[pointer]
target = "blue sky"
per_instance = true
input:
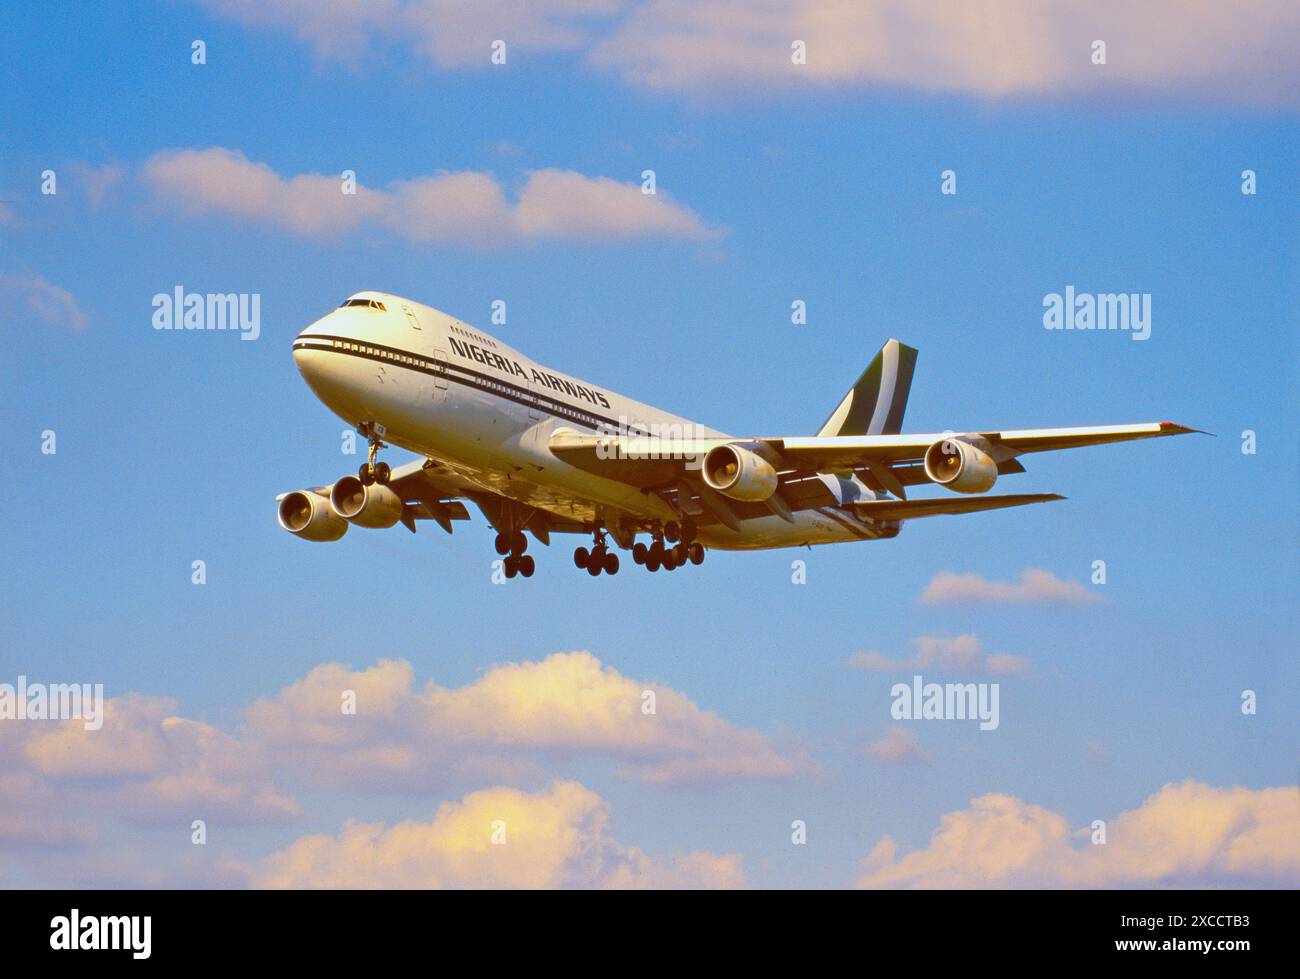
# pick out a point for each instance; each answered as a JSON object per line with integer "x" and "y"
{"x": 171, "y": 448}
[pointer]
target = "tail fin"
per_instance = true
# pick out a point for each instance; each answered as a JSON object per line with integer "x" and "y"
{"x": 875, "y": 404}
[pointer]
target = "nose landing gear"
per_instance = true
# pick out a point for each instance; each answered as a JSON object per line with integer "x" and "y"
{"x": 371, "y": 471}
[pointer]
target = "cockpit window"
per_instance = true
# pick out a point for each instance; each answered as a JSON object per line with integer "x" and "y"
{"x": 370, "y": 303}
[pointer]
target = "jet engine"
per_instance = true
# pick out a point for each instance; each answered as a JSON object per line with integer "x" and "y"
{"x": 307, "y": 514}
{"x": 738, "y": 472}
{"x": 365, "y": 506}
{"x": 962, "y": 464}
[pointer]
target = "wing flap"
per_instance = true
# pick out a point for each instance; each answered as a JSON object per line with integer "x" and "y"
{"x": 913, "y": 509}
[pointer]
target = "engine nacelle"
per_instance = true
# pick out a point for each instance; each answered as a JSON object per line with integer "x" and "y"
{"x": 961, "y": 464}
{"x": 309, "y": 515}
{"x": 739, "y": 473}
{"x": 365, "y": 506}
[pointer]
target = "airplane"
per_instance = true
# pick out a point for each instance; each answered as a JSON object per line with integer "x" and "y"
{"x": 540, "y": 452}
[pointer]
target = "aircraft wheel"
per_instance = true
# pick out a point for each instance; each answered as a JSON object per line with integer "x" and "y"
{"x": 680, "y": 553}
{"x": 657, "y": 551}
{"x": 511, "y": 567}
{"x": 518, "y": 542}
{"x": 670, "y": 560}
{"x": 697, "y": 553}
{"x": 652, "y": 563}
{"x": 611, "y": 563}
{"x": 383, "y": 472}
{"x": 365, "y": 474}
{"x": 639, "y": 552}
{"x": 689, "y": 531}
{"x": 672, "y": 531}
{"x": 594, "y": 566}
{"x": 527, "y": 565}
{"x": 580, "y": 557}
{"x": 502, "y": 544}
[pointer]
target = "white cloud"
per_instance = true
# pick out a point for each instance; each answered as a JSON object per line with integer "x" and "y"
{"x": 99, "y": 181}
{"x": 52, "y": 304}
{"x": 990, "y": 48}
{"x": 494, "y": 838}
{"x": 1185, "y": 835}
{"x": 566, "y": 704}
{"x": 145, "y": 764}
{"x": 898, "y": 747}
{"x": 450, "y": 33}
{"x": 948, "y": 654}
{"x": 705, "y": 48}
{"x": 1036, "y": 587}
{"x": 468, "y": 207}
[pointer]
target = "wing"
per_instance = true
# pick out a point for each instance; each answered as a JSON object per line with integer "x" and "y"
{"x": 840, "y": 453}
{"x": 429, "y": 494}
{"x": 649, "y": 463}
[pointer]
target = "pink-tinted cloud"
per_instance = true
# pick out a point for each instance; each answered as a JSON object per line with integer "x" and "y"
{"x": 1036, "y": 587}
{"x": 1185, "y": 835}
{"x": 944, "y": 654}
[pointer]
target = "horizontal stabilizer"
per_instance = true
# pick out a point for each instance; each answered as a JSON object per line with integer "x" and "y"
{"x": 912, "y": 509}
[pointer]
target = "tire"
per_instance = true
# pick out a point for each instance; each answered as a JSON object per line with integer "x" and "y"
{"x": 593, "y": 568}
{"x": 657, "y": 551}
{"x": 670, "y": 561}
{"x": 502, "y": 544}
{"x": 518, "y": 542}
{"x": 580, "y": 557}
{"x": 365, "y": 475}
{"x": 652, "y": 563}
{"x": 527, "y": 565}
{"x": 511, "y": 567}
{"x": 697, "y": 553}
{"x": 383, "y": 472}
{"x": 672, "y": 531}
{"x": 639, "y": 552}
{"x": 680, "y": 553}
{"x": 611, "y": 563}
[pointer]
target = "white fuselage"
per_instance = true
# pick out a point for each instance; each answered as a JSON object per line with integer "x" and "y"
{"x": 483, "y": 410}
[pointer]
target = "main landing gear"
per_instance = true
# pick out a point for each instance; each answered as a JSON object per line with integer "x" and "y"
{"x": 599, "y": 558}
{"x": 681, "y": 548}
{"x": 371, "y": 471}
{"x": 516, "y": 562}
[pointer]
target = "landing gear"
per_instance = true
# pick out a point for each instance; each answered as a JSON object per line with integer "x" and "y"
{"x": 371, "y": 471}
{"x": 682, "y": 547}
{"x": 599, "y": 558}
{"x": 514, "y": 544}
{"x": 519, "y": 564}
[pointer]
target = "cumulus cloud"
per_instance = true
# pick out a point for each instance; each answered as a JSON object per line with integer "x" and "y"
{"x": 946, "y": 654}
{"x": 1185, "y": 835}
{"x": 145, "y": 764}
{"x": 898, "y": 747}
{"x": 494, "y": 838}
{"x": 99, "y": 181}
{"x": 50, "y": 303}
{"x": 450, "y": 33}
{"x": 1036, "y": 587}
{"x": 988, "y": 48}
{"x": 566, "y": 704}
{"x": 466, "y": 207}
